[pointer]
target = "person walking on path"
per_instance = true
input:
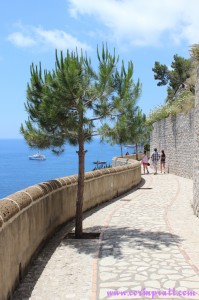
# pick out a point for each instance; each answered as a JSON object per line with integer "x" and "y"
{"x": 162, "y": 161}
{"x": 145, "y": 162}
{"x": 155, "y": 158}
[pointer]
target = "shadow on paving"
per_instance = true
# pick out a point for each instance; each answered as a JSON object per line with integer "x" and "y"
{"x": 115, "y": 238}
{"x": 88, "y": 247}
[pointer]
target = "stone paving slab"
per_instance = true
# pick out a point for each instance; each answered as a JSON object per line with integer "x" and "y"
{"x": 149, "y": 242}
{"x": 157, "y": 262}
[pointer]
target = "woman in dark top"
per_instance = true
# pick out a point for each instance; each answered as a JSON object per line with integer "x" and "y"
{"x": 162, "y": 161}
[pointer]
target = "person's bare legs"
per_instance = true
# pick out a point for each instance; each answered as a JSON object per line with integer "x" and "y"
{"x": 162, "y": 167}
{"x": 145, "y": 169}
{"x": 163, "y": 164}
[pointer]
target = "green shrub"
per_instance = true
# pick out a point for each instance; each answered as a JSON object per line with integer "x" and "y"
{"x": 183, "y": 103}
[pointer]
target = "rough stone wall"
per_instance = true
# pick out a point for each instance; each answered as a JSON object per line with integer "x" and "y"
{"x": 175, "y": 135}
{"x": 196, "y": 151}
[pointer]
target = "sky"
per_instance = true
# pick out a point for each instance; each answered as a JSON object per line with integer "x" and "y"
{"x": 143, "y": 31}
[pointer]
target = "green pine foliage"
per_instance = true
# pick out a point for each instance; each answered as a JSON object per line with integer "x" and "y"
{"x": 175, "y": 76}
{"x": 181, "y": 79}
{"x": 65, "y": 104}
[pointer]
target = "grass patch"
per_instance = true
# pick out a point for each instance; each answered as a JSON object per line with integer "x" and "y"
{"x": 183, "y": 103}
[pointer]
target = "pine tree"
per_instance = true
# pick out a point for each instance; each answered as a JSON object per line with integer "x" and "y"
{"x": 63, "y": 105}
{"x": 128, "y": 93}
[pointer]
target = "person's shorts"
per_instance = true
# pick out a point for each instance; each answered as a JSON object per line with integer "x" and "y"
{"x": 145, "y": 164}
{"x": 155, "y": 162}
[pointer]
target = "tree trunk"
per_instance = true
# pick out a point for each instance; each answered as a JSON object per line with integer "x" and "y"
{"x": 121, "y": 150}
{"x": 80, "y": 192}
{"x": 136, "y": 150}
{"x": 80, "y": 187}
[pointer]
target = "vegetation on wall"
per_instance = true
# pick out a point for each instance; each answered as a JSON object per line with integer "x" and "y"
{"x": 180, "y": 79}
{"x": 194, "y": 50}
{"x": 184, "y": 103}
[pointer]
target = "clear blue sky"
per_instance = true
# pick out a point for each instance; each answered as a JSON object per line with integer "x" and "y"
{"x": 143, "y": 31}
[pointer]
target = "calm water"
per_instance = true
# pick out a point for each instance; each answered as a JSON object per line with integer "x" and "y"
{"x": 18, "y": 172}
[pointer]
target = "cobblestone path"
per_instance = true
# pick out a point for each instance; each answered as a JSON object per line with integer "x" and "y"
{"x": 149, "y": 242}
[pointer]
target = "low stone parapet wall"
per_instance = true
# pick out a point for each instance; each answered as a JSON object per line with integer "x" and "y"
{"x": 125, "y": 160}
{"x": 30, "y": 216}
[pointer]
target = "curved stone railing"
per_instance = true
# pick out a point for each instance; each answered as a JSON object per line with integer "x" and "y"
{"x": 30, "y": 216}
{"x": 125, "y": 160}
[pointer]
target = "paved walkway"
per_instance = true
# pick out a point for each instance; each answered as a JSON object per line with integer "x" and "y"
{"x": 149, "y": 242}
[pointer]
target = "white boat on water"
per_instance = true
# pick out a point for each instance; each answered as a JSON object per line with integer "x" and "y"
{"x": 99, "y": 163}
{"x": 37, "y": 157}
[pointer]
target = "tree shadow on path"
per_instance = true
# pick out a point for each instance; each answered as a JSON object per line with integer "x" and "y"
{"x": 114, "y": 239}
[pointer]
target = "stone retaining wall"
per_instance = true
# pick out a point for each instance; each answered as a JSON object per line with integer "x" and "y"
{"x": 175, "y": 135}
{"x": 29, "y": 217}
{"x": 196, "y": 151}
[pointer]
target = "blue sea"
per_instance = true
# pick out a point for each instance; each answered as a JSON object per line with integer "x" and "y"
{"x": 18, "y": 172}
